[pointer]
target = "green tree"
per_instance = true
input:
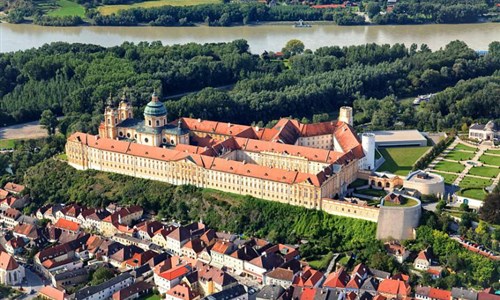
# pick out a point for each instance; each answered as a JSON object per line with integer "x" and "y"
{"x": 294, "y": 47}
{"x": 101, "y": 275}
{"x": 482, "y": 228}
{"x": 372, "y": 9}
{"x": 49, "y": 121}
{"x": 490, "y": 211}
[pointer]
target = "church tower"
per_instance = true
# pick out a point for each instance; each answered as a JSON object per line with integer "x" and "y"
{"x": 125, "y": 109}
{"x": 110, "y": 120}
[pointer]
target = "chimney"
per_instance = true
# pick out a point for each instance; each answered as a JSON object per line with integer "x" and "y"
{"x": 199, "y": 120}
{"x": 229, "y": 124}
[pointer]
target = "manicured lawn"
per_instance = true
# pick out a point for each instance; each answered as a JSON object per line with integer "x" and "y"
{"x": 474, "y": 182}
{"x": 358, "y": 182}
{"x": 409, "y": 203}
{"x": 400, "y": 160}
{"x": 61, "y": 8}
{"x": 6, "y": 144}
{"x": 109, "y": 9}
{"x": 372, "y": 192}
{"x": 459, "y": 155}
{"x": 484, "y": 171}
{"x": 448, "y": 178}
{"x": 448, "y": 166}
{"x": 490, "y": 160}
{"x": 344, "y": 261}
{"x": 473, "y": 187}
{"x": 322, "y": 263}
{"x": 474, "y": 193}
{"x": 465, "y": 147}
{"x": 493, "y": 151}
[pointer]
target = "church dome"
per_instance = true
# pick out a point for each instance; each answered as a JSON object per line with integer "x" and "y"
{"x": 155, "y": 108}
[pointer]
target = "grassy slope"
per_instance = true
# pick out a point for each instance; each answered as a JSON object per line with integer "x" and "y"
{"x": 55, "y": 181}
{"x": 109, "y": 9}
{"x": 400, "y": 160}
{"x": 61, "y": 8}
{"x": 8, "y": 144}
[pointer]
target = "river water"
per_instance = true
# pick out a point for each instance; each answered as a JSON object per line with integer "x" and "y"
{"x": 261, "y": 37}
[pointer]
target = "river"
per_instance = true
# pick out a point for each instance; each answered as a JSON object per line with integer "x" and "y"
{"x": 260, "y": 37}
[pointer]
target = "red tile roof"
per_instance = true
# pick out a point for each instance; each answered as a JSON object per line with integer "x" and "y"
{"x": 3, "y": 194}
{"x": 13, "y": 187}
{"x": 51, "y": 293}
{"x": 67, "y": 225}
{"x": 182, "y": 291}
{"x": 338, "y": 279}
{"x": 394, "y": 287}
{"x": 308, "y": 278}
{"x": 439, "y": 294}
{"x": 175, "y": 272}
{"x": 7, "y": 262}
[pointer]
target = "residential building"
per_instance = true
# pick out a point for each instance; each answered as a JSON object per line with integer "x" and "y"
{"x": 392, "y": 288}
{"x": 423, "y": 261}
{"x": 106, "y": 289}
{"x": 337, "y": 280}
{"x": 463, "y": 294}
{"x": 71, "y": 278}
{"x": 176, "y": 239}
{"x": 219, "y": 251}
{"x": 430, "y": 293}
{"x": 14, "y": 188}
{"x": 397, "y": 251}
{"x": 270, "y": 292}
{"x": 51, "y": 293}
{"x": 133, "y": 291}
{"x": 181, "y": 292}
{"x": 237, "y": 292}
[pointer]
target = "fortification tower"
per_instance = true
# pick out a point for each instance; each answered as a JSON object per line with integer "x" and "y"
{"x": 345, "y": 115}
{"x": 368, "y": 144}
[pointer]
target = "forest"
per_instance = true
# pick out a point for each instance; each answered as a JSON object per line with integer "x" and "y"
{"x": 75, "y": 80}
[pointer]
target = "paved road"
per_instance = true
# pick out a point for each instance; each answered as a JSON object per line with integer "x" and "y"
{"x": 23, "y": 131}
{"x": 33, "y": 282}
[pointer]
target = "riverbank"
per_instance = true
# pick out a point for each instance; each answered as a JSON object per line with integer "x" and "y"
{"x": 262, "y": 37}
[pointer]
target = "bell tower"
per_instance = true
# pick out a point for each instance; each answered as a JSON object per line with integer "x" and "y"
{"x": 125, "y": 109}
{"x": 110, "y": 119}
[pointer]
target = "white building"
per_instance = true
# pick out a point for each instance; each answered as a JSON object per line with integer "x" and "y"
{"x": 106, "y": 289}
{"x": 11, "y": 273}
{"x": 488, "y": 132}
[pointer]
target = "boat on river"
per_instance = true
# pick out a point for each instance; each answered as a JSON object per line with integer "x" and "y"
{"x": 302, "y": 24}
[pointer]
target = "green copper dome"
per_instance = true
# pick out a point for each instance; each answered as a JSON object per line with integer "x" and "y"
{"x": 155, "y": 108}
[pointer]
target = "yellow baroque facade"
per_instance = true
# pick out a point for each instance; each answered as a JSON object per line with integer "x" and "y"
{"x": 293, "y": 163}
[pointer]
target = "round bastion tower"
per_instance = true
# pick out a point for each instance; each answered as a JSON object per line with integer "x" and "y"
{"x": 345, "y": 115}
{"x": 368, "y": 144}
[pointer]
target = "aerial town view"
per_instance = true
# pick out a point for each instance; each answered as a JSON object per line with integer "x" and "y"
{"x": 250, "y": 149}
